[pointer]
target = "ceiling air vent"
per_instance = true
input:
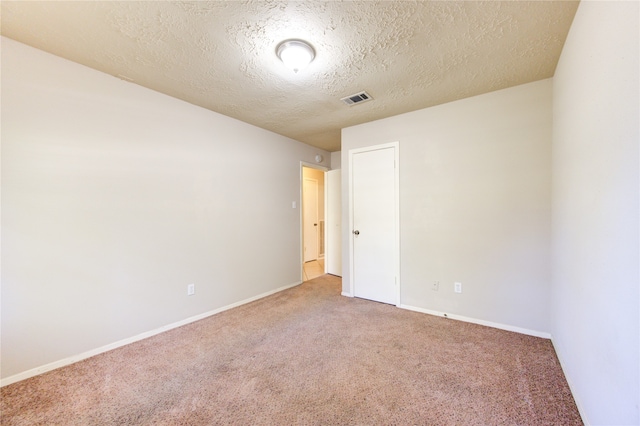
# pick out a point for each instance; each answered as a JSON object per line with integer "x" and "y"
{"x": 358, "y": 98}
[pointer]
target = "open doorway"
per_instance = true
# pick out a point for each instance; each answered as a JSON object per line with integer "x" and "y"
{"x": 313, "y": 222}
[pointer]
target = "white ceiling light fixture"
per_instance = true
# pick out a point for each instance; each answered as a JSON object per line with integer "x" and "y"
{"x": 295, "y": 54}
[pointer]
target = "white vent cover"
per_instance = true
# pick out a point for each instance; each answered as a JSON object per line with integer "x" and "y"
{"x": 358, "y": 98}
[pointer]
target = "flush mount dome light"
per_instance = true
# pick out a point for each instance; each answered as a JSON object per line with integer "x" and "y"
{"x": 295, "y": 54}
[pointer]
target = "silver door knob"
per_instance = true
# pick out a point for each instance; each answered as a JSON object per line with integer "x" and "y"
{"x": 356, "y": 232}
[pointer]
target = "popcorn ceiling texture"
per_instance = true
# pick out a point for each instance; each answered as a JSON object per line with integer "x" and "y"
{"x": 307, "y": 356}
{"x": 221, "y": 55}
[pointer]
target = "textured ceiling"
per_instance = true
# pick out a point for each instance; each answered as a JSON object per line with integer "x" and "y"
{"x": 221, "y": 54}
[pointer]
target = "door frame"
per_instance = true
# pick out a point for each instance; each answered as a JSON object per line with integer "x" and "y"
{"x": 301, "y": 218}
{"x": 396, "y": 249}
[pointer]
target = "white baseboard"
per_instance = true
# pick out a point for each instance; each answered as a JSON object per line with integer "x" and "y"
{"x": 581, "y": 411}
{"x": 520, "y": 330}
{"x": 79, "y": 357}
{"x": 344, "y": 293}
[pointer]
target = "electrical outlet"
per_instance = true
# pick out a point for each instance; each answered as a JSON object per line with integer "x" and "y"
{"x": 191, "y": 289}
{"x": 457, "y": 287}
{"x": 435, "y": 286}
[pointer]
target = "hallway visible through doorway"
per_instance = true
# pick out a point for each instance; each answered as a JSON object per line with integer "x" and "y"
{"x": 313, "y": 222}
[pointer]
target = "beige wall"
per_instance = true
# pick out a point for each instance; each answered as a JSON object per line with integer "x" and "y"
{"x": 474, "y": 204}
{"x": 115, "y": 198}
{"x": 595, "y": 287}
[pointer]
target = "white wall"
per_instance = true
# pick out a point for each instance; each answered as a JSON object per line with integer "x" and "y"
{"x": 474, "y": 204}
{"x": 336, "y": 160}
{"x": 115, "y": 197}
{"x": 595, "y": 295}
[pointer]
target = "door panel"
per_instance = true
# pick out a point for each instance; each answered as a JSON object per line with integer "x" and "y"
{"x": 374, "y": 225}
{"x": 333, "y": 253}
{"x": 310, "y": 219}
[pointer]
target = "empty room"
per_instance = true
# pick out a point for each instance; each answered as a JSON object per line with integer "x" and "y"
{"x": 320, "y": 212}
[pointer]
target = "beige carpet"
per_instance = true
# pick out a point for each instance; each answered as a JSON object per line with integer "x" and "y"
{"x": 307, "y": 356}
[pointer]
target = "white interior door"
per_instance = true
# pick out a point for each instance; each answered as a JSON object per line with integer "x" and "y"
{"x": 333, "y": 228}
{"x": 375, "y": 223}
{"x": 310, "y": 219}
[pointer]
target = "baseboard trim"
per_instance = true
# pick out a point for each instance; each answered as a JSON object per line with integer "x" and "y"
{"x": 88, "y": 354}
{"x": 344, "y": 293}
{"x": 478, "y": 321}
{"x": 581, "y": 411}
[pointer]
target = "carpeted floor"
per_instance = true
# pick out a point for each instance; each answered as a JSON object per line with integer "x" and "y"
{"x": 307, "y": 356}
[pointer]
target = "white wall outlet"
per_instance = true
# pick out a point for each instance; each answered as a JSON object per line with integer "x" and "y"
{"x": 457, "y": 287}
{"x": 435, "y": 286}
{"x": 294, "y": 205}
{"x": 191, "y": 289}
